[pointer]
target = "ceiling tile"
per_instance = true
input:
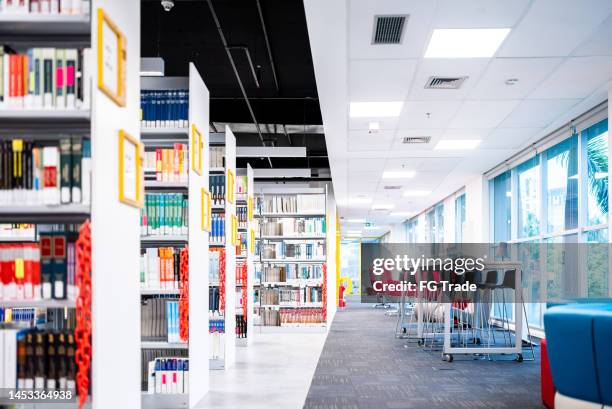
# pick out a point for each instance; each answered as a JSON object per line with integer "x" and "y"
{"x": 427, "y": 114}
{"x": 600, "y": 42}
{"x": 508, "y": 138}
{"x": 380, "y": 80}
{"x": 529, "y": 72}
{"x": 555, "y": 28}
{"x": 478, "y": 13}
{"x": 466, "y": 133}
{"x": 442, "y": 67}
{"x": 482, "y": 114}
{"x": 416, "y": 30}
{"x": 365, "y": 141}
{"x": 577, "y": 77}
{"x": 366, "y": 165}
{"x": 538, "y": 112}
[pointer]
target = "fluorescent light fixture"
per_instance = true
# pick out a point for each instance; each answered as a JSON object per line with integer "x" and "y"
{"x": 375, "y": 109}
{"x": 356, "y": 221}
{"x": 382, "y": 206}
{"x": 398, "y": 174}
{"x": 508, "y": 194}
{"x": 458, "y": 144}
{"x": 374, "y": 127}
{"x": 416, "y": 193}
{"x": 371, "y": 227}
{"x": 353, "y": 232}
{"x": 465, "y": 42}
{"x": 402, "y": 214}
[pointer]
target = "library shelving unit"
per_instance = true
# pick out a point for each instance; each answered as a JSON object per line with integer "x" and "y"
{"x": 225, "y": 239}
{"x": 107, "y": 309}
{"x": 172, "y": 176}
{"x": 245, "y": 204}
{"x": 292, "y": 257}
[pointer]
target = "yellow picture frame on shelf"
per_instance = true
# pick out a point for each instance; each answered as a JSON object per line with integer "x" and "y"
{"x": 206, "y": 210}
{"x": 250, "y": 202}
{"x": 131, "y": 176}
{"x": 231, "y": 186}
{"x": 252, "y": 241}
{"x": 112, "y": 56}
{"x": 196, "y": 150}
{"x": 235, "y": 240}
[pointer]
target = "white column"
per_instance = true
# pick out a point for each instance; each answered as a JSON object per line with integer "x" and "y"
{"x": 477, "y": 210}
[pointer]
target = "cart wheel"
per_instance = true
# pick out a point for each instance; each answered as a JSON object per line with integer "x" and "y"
{"x": 420, "y": 342}
{"x": 404, "y": 330}
{"x": 519, "y": 357}
{"x": 478, "y": 342}
{"x": 448, "y": 358}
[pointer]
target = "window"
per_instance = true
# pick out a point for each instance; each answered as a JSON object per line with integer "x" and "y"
{"x": 434, "y": 219}
{"x": 559, "y": 196}
{"x": 596, "y": 138}
{"x": 411, "y": 231}
{"x": 459, "y": 218}
{"x": 529, "y": 197}
{"x": 562, "y": 186}
{"x": 501, "y": 198}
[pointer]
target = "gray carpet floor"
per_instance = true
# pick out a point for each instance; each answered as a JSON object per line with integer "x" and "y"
{"x": 363, "y": 366}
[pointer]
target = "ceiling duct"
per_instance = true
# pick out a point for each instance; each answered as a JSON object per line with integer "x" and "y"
{"x": 444, "y": 82}
{"x": 416, "y": 139}
{"x": 388, "y": 29}
{"x": 392, "y": 187}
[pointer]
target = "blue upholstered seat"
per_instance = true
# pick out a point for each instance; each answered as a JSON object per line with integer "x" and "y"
{"x": 579, "y": 340}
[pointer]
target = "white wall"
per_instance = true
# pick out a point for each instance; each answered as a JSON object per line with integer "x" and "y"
{"x": 397, "y": 233}
{"x": 477, "y": 210}
{"x": 115, "y": 367}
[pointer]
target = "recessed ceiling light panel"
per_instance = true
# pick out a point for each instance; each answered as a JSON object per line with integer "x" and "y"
{"x": 465, "y": 42}
{"x": 384, "y": 109}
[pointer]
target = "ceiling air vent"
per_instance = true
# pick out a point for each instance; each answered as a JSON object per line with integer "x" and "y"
{"x": 393, "y": 187}
{"x": 416, "y": 139}
{"x": 388, "y": 29}
{"x": 445, "y": 82}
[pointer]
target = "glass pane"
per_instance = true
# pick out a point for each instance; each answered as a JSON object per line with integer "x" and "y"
{"x": 529, "y": 198}
{"x": 596, "y": 138}
{"x": 597, "y": 263}
{"x": 439, "y": 223}
{"x": 501, "y": 200}
{"x": 459, "y": 218}
{"x": 562, "y": 185}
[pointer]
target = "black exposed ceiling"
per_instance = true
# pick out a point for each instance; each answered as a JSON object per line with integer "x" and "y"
{"x": 188, "y": 34}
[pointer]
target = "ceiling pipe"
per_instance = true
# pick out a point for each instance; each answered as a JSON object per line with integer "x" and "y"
{"x": 248, "y": 55}
{"x": 233, "y": 64}
{"x": 265, "y": 33}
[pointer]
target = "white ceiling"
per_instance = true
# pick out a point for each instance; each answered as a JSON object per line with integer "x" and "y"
{"x": 559, "y": 50}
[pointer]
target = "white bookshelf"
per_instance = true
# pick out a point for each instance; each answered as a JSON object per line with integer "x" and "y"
{"x": 114, "y": 225}
{"x": 264, "y": 217}
{"x": 196, "y": 239}
{"x": 228, "y": 337}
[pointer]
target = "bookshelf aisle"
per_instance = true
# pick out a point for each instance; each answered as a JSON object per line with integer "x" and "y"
{"x": 291, "y": 259}
{"x": 60, "y": 208}
{"x": 245, "y": 267}
{"x": 222, "y": 250}
{"x": 174, "y": 259}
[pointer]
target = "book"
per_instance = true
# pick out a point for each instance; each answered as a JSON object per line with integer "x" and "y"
{"x": 65, "y": 148}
